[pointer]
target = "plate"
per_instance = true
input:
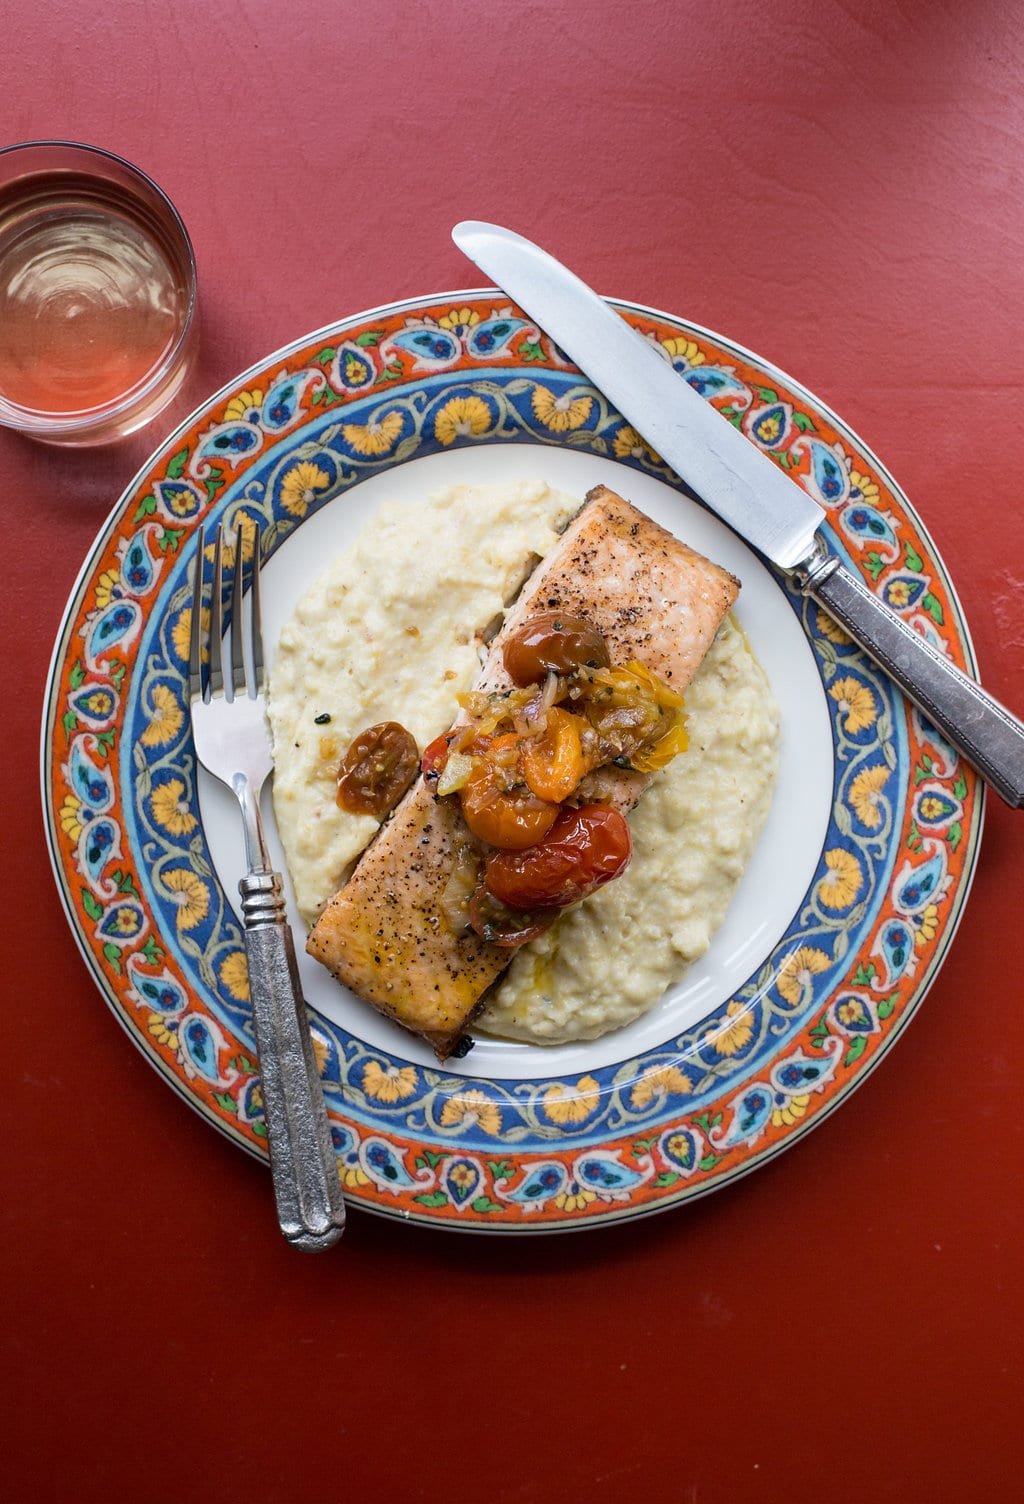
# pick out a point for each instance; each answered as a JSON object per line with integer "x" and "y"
{"x": 840, "y": 922}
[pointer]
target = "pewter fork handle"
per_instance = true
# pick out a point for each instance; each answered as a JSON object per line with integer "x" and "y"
{"x": 310, "y": 1205}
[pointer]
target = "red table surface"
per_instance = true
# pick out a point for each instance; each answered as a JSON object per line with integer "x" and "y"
{"x": 838, "y": 187}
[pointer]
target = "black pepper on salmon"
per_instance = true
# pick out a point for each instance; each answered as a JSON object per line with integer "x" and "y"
{"x": 383, "y": 935}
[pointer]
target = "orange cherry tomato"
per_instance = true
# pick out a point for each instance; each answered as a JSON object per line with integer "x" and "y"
{"x": 502, "y": 750}
{"x": 584, "y": 849}
{"x": 553, "y": 763}
{"x": 493, "y": 809}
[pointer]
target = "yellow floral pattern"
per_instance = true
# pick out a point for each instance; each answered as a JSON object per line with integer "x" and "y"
{"x": 628, "y": 444}
{"x": 657, "y": 1083}
{"x": 181, "y": 502}
{"x": 356, "y": 370}
{"x": 897, "y": 593}
{"x": 684, "y": 349}
{"x": 866, "y": 486}
{"x": 162, "y": 1030}
{"x": 790, "y": 1111}
{"x": 107, "y": 588}
{"x": 462, "y": 417}
{"x": 925, "y": 925}
{"x": 389, "y": 1083}
{"x": 190, "y": 894}
{"x": 469, "y": 1108}
{"x": 852, "y": 1012}
{"x": 856, "y": 704}
{"x": 866, "y": 793}
{"x": 242, "y": 406}
{"x": 769, "y": 427}
{"x": 574, "y": 1200}
{"x": 300, "y": 486}
{"x": 376, "y": 437}
{"x": 166, "y": 718}
{"x": 459, "y": 318}
{"x": 234, "y": 973}
{"x": 830, "y": 628}
{"x": 244, "y": 525}
{"x": 842, "y": 881}
{"x": 127, "y": 922}
{"x": 734, "y": 1035}
{"x": 98, "y": 704}
{"x": 70, "y": 816}
{"x": 169, "y": 808}
{"x": 567, "y": 1104}
{"x": 561, "y": 414}
{"x": 321, "y": 1053}
{"x": 182, "y": 629}
{"x": 463, "y": 1176}
{"x": 797, "y": 972}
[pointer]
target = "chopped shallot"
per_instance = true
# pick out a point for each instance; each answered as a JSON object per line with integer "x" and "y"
{"x": 455, "y": 774}
{"x": 459, "y": 888}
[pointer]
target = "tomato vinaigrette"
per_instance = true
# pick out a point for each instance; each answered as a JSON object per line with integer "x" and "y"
{"x": 525, "y": 765}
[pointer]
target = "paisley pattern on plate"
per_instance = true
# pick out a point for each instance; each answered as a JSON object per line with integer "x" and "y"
{"x": 163, "y": 942}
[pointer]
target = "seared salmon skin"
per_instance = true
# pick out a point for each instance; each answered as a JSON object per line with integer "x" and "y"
{"x": 383, "y": 935}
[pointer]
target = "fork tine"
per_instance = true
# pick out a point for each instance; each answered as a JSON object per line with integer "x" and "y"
{"x": 216, "y": 674}
{"x": 257, "y": 622}
{"x": 236, "y": 629}
{"x": 195, "y": 634}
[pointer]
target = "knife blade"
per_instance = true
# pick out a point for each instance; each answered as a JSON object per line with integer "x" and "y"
{"x": 747, "y": 490}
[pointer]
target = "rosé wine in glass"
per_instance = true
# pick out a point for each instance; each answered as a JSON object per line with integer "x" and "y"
{"x": 97, "y": 294}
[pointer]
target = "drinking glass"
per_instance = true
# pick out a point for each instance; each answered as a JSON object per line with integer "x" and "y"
{"x": 97, "y": 294}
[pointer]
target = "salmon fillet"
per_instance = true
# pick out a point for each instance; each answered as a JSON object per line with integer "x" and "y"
{"x": 382, "y": 934}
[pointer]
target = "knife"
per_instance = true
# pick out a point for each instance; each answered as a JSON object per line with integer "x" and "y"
{"x": 747, "y": 490}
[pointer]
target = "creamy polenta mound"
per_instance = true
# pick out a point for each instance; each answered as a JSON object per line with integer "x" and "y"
{"x": 392, "y": 630}
{"x": 607, "y": 961}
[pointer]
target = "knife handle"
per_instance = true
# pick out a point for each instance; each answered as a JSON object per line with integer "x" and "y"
{"x": 987, "y": 734}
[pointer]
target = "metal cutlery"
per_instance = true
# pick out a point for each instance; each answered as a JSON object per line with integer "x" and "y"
{"x": 748, "y": 490}
{"x": 232, "y": 742}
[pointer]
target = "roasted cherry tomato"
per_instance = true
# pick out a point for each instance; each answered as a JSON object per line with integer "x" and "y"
{"x": 496, "y": 808}
{"x": 376, "y": 770}
{"x": 435, "y": 755}
{"x": 553, "y": 763}
{"x": 499, "y": 925}
{"x": 584, "y": 849}
{"x": 552, "y": 643}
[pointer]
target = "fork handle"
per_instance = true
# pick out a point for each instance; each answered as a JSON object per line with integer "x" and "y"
{"x": 310, "y": 1205}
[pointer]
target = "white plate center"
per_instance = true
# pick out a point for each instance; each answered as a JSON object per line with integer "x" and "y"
{"x": 784, "y": 861}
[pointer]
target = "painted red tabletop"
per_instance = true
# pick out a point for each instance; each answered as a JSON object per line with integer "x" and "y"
{"x": 836, "y": 187}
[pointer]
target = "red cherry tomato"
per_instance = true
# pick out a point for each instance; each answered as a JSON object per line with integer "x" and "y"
{"x": 499, "y": 925}
{"x": 435, "y": 755}
{"x": 553, "y": 642}
{"x": 584, "y": 849}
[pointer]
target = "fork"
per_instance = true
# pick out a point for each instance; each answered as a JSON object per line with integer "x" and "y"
{"x": 232, "y": 742}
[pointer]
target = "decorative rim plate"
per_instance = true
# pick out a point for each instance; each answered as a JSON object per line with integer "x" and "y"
{"x": 440, "y": 1145}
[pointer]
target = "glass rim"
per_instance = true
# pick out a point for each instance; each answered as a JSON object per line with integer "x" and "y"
{"x": 40, "y": 420}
